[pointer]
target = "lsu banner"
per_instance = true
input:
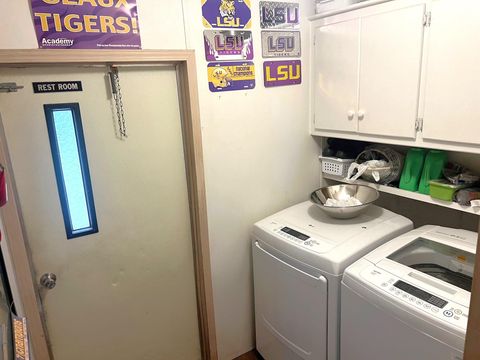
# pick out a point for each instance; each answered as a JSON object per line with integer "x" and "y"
{"x": 230, "y": 76}
{"x": 232, "y": 14}
{"x": 86, "y": 24}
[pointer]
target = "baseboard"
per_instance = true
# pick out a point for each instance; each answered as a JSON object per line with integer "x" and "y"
{"x": 251, "y": 355}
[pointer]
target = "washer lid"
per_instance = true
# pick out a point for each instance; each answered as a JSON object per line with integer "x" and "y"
{"x": 306, "y": 233}
{"x": 452, "y": 249}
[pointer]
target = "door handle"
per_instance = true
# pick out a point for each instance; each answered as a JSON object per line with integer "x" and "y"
{"x": 315, "y": 277}
{"x": 350, "y": 114}
{"x": 361, "y": 114}
{"x": 48, "y": 280}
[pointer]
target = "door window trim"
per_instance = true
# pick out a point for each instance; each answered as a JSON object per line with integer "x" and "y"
{"x": 74, "y": 108}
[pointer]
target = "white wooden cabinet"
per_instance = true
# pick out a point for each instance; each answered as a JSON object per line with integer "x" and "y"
{"x": 402, "y": 72}
{"x": 390, "y": 66}
{"x": 336, "y": 75}
{"x": 452, "y": 77}
{"x": 367, "y": 66}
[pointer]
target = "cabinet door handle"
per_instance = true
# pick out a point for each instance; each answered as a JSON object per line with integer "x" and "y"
{"x": 361, "y": 115}
{"x": 350, "y": 114}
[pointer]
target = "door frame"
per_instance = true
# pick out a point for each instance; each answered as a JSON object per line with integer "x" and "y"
{"x": 185, "y": 65}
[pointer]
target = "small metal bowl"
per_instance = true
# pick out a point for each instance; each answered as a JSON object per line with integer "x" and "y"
{"x": 365, "y": 194}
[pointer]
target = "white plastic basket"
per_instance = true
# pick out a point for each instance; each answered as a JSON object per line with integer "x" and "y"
{"x": 335, "y": 166}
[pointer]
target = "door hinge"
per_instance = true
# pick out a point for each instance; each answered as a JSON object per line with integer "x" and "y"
{"x": 419, "y": 124}
{"x": 10, "y": 87}
{"x": 427, "y": 19}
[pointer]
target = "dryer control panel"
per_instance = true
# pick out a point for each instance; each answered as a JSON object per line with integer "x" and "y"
{"x": 299, "y": 238}
{"x": 412, "y": 295}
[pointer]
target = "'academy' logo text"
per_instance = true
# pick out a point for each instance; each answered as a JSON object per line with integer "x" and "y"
{"x": 57, "y": 42}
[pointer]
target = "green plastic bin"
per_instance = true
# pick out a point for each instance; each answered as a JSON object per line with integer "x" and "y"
{"x": 412, "y": 170}
{"x": 443, "y": 189}
{"x": 432, "y": 170}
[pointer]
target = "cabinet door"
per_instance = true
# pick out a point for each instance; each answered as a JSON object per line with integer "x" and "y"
{"x": 453, "y": 77}
{"x": 336, "y": 76}
{"x": 390, "y": 65}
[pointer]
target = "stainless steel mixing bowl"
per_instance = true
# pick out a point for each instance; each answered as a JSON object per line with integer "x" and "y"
{"x": 365, "y": 194}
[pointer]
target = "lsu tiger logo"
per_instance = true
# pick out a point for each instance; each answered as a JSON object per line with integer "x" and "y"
{"x": 234, "y": 14}
{"x": 227, "y": 9}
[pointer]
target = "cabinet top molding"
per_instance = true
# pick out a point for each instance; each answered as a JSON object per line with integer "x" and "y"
{"x": 352, "y": 7}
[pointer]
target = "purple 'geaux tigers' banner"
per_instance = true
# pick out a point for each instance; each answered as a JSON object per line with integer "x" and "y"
{"x": 86, "y": 24}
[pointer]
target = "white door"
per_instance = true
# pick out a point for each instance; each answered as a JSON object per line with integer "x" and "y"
{"x": 452, "y": 77}
{"x": 390, "y": 64}
{"x": 127, "y": 291}
{"x": 336, "y": 76}
{"x": 290, "y": 307}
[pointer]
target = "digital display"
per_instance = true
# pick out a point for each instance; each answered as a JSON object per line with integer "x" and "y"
{"x": 295, "y": 233}
{"x": 425, "y": 296}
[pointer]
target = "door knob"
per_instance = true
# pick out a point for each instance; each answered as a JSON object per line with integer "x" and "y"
{"x": 350, "y": 114}
{"x": 361, "y": 114}
{"x": 48, "y": 280}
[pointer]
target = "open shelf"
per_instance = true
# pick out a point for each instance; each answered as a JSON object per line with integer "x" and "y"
{"x": 410, "y": 195}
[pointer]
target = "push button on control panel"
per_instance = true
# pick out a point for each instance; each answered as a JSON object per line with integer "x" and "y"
{"x": 448, "y": 313}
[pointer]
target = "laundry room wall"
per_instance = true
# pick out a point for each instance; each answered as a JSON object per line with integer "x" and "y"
{"x": 259, "y": 156}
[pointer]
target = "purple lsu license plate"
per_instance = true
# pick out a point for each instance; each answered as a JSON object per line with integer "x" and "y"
{"x": 283, "y": 72}
{"x": 231, "y": 14}
{"x": 228, "y": 45}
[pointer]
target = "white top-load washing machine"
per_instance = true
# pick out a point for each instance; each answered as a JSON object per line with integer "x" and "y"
{"x": 409, "y": 298}
{"x": 299, "y": 255}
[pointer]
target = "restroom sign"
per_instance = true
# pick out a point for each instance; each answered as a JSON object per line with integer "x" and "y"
{"x": 56, "y": 86}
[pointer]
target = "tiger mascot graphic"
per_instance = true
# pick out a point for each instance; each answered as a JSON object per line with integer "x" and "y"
{"x": 227, "y": 8}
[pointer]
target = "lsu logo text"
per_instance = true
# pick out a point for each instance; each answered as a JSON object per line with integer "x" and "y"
{"x": 281, "y": 44}
{"x": 229, "y": 43}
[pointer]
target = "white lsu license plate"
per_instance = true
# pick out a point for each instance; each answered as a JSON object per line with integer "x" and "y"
{"x": 278, "y": 44}
{"x": 279, "y": 15}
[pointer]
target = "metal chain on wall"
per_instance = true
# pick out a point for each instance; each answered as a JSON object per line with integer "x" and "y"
{"x": 117, "y": 96}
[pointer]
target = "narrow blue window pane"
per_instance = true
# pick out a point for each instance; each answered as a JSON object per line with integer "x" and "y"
{"x": 70, "y": 161}
{"x": 68, "y": 149}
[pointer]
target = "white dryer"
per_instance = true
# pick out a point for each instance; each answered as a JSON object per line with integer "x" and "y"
{"x": 299, "y": 256}
{"x": 409, "y": 298}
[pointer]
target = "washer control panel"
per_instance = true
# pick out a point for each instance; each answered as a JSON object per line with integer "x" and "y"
{"x": 440, "y": 308}
{"x": 297, "y": 237}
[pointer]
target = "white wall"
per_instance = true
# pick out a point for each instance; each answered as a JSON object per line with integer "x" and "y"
{"x": 258, "y": 154}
